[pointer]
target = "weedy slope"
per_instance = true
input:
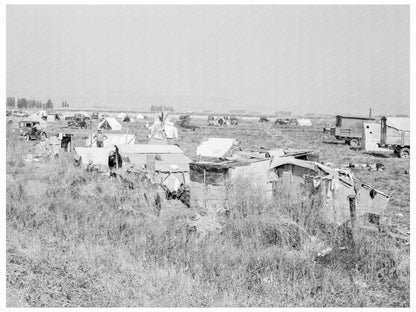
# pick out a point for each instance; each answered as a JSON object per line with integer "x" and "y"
{"x": 82, "y": 239}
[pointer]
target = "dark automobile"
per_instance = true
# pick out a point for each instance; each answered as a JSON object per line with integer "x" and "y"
{"x": 21, "y": 114}
{"x": 78, "y": 122}
{"x": 28, "y": 132}
{"x": 185, "y": 122}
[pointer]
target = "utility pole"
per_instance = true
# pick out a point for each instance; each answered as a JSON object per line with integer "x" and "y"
{"x": 370, "y": 113}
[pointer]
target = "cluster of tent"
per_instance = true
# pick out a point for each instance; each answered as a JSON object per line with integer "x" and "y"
{"x": 222, "y": 121}
{"x": 302, "y": 122}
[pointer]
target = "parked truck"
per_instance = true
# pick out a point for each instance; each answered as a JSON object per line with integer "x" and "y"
{"x": 395, "y": 135}
{"x": 350, "y": 129}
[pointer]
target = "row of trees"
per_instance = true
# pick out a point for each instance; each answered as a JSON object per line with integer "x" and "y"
{"x": 158, "y": 108}
{"x": 23, "y": 103}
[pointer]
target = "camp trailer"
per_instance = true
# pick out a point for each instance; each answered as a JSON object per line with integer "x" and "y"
{"x": 350, "y": 129}
{"x": 395, "y": 135}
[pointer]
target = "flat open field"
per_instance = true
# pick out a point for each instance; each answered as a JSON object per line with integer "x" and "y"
{"x": 80, "y": 239}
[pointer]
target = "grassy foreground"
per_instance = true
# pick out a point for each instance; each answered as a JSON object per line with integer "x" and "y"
{"x": 81, "y": 239}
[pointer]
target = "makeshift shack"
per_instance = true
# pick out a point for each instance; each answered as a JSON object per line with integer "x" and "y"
{"x": 371, "y": 137}
{"x": 395, "y": 134}
{"x": 210, "y": 180}
{"x": 109, "y": 123}
{"x": 169, "y": 161}
{"x": 53, "y": 117}
{"x": 332, "y": 185}
{"x": 60, "y": 142}
{"x": 112, "y": 139}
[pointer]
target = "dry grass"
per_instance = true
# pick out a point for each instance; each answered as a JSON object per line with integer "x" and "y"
{"x": 80, "y": 239}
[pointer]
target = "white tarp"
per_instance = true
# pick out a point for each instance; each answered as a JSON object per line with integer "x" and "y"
{"x": 371, "y": 137}
{"x": 399, "y": 123}
{"x": 109, "y": 123}
{"x": 139, "y": 116}
{"x": 170, "y": 130}
{"x": 156, "y": 131}
{"x": 34, "y": 117}
{"x": 40, "y": 113}
{"x": 304, "y": 122}
{"x": 112, "y": 139}
{"x": 215, "y": 147}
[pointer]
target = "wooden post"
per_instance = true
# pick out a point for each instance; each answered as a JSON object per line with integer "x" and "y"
{"x": 369, "y": 113}
{"x": 150, "y": 162}
{"x": 204, "y": 190}
{"x": 353, "y": 214}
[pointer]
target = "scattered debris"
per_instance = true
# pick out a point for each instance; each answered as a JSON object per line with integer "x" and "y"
{"x": 370, "y": 167}
{"x": 185, "y": 122}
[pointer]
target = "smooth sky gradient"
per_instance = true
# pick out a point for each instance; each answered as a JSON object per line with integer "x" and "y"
{"x": 324, "y": 59}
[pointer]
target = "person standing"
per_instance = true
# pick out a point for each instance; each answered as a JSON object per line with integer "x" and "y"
{"x": 100, "y": 137}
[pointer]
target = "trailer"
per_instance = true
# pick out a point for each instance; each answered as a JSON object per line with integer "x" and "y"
{"x": 395, "y": 135}
{"x": 350, "y": 129}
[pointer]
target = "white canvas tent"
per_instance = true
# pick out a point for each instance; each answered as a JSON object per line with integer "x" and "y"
{"x": 170, "y": 130}
{"x": 41, "y": 113}
{"x": 109, "y": 123}
{"x": 121, "y": 116}
{"x": 127, "y": 118}
{"x": 34, "y": 117}
{"x": 304, "y": 122}
{"x": 215, "y": 147}
{"x": 371, "y": 137}
{"x": 162, "y": 129}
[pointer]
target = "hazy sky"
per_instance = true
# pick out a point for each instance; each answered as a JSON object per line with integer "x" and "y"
{"x": 329, "y": 59}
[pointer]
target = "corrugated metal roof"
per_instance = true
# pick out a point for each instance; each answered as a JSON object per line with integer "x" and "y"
{"x": 170, "y": 157}
{"x": 281, "y": 161}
